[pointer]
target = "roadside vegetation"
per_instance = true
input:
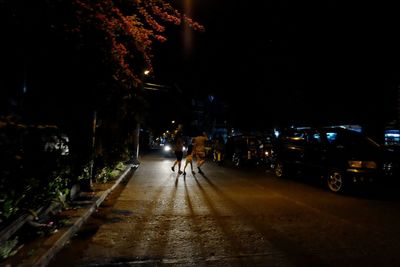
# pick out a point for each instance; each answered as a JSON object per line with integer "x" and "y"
{"x": 72, "y": 97}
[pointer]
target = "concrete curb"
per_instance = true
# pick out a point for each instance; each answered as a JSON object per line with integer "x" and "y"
{"x": 58, "y": 244}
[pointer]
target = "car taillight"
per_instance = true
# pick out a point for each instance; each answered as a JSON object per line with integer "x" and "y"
{"x": 358, "y": 164}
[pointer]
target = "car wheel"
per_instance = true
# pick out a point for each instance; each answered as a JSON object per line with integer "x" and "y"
{"x": 336, "y": 181}
{"x": 236, "y": 160}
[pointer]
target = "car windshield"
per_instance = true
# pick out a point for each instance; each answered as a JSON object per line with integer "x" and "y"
{"x": 348, "y": 138}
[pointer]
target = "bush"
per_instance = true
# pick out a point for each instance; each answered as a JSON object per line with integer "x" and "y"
{"x": 35, "y": 167}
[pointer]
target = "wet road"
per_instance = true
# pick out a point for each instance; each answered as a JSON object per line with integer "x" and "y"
{"x": 231, "y": 217}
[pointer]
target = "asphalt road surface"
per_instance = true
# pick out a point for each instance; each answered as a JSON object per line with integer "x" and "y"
{"x": 235, "y": 217}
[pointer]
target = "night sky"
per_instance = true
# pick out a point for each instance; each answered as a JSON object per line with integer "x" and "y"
{"x": 273, "y": 62}
{"x": 281, "y": 61}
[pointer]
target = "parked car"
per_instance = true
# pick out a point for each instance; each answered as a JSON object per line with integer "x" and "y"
{"x": 341, "y": 157}
{"x": 266, "y": 150}
{"x": 243, "y": 149}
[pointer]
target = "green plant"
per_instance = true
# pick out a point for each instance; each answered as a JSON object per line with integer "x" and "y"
{"x": 10, "y": 204}
{"x": 104, "y": 175}
{"x": 58, "y": 188}
{"x": 85, "y": 174}
{"x": 7, "y": 248}
{"x": 120, "y": 166}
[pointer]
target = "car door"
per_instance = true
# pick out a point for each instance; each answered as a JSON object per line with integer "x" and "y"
{"x": 315, "y": 152}
{"x": 291, "y": 150}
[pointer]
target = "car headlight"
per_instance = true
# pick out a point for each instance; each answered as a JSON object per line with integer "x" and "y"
{"x": 358, "y": 164}
{"x": 167, "y": 148}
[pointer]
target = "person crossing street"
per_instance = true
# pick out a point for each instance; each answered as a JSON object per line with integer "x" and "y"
{"x": 189, "y": 159}
{"x": 178, "y": 149}
{"x": 200, "y": 150}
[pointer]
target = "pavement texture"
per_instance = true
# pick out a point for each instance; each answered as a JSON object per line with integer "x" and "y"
{"x": 40, "y": 251}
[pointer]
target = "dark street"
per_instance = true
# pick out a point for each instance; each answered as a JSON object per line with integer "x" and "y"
{"x": 91, "y": 90}
{"x": 234, "y": 217}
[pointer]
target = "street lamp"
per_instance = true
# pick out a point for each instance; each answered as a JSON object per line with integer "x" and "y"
{"x": 136, "y": 140}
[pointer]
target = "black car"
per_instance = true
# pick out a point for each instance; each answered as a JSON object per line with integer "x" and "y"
{"x": 340, "y": 156}
{"x": 244, "y": 150}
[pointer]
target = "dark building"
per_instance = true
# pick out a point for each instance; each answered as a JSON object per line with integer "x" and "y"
{"x": 210, "y": 113}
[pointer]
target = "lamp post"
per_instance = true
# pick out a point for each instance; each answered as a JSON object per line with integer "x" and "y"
{"x": 136, "y": 139}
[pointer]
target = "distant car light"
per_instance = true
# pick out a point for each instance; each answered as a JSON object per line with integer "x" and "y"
{"x": 167, "y": 148}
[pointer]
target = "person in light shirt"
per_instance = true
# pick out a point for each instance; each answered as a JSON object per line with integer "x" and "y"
{"x": 200, "y": 150}
{"x": 189, "y": 159}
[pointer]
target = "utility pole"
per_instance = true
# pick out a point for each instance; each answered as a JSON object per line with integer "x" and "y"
{"x": 136, "y": 139}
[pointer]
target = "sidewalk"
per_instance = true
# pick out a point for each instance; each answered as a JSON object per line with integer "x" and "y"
{"x": 39, "y": 252}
